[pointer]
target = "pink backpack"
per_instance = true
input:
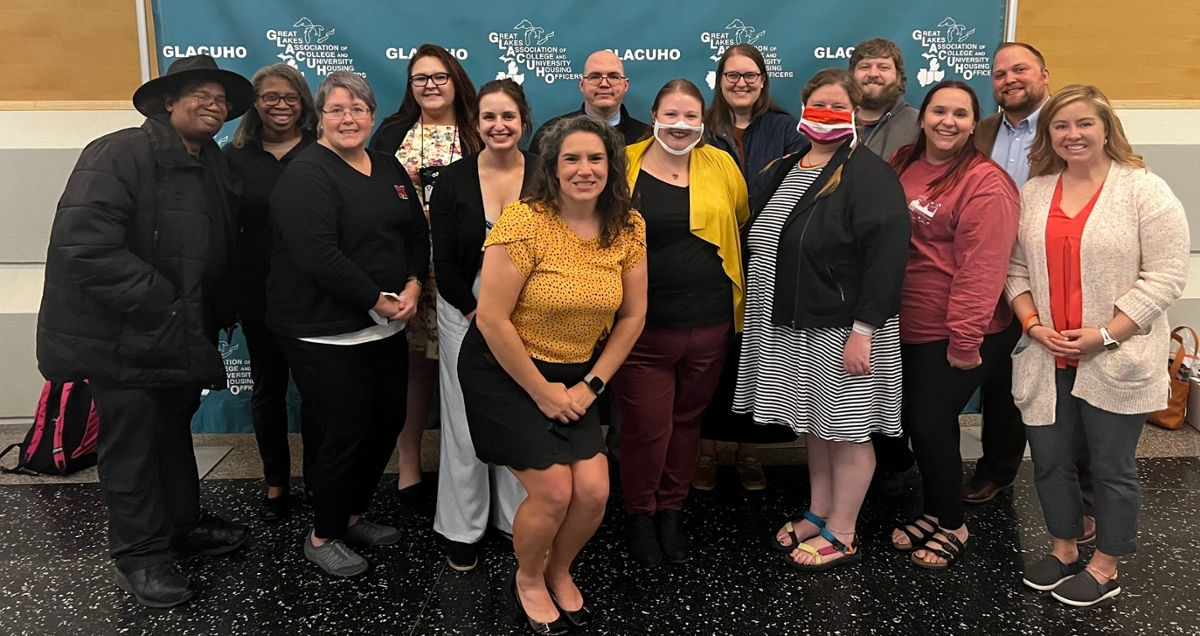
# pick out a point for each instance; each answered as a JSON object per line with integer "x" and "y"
{"x": 63, "y": 437}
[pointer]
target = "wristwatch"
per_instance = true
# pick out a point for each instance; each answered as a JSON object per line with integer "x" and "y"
{"x": 594, "y": 383}
{"x": 1110, "y": 342}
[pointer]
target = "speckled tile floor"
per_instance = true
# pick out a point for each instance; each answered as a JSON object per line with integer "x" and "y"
{"x": 55, "y": 579}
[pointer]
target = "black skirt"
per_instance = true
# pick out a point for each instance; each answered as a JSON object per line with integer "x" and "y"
{"x": 507, "y": 427}
{"x": 720, "y": 423}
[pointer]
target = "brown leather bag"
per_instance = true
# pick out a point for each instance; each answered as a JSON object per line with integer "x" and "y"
{"x": 1172, "y": 417}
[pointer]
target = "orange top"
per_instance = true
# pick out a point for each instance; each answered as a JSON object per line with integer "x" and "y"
{"x": 1063, "y": 234}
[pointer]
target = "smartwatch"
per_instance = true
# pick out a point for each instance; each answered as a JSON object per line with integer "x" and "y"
{"x": 594, "y": 383}
{"x": 1110, "y": 342}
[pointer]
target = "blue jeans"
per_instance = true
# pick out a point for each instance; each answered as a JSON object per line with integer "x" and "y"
{"x": 1112, "y": 439}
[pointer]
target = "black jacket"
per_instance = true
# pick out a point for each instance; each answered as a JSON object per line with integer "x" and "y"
{"x": 459, "y": 227}
{"x": 769, "y": 137}
{"x": 258, "y": 171}
{"x": 841, "y": 257}
{"x": 136, "y": 280}
{"x": 632, "y": 129}
{"x": 341, "y": 238}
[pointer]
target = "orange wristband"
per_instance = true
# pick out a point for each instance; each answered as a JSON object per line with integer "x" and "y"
{"x": 1025, "y": 323}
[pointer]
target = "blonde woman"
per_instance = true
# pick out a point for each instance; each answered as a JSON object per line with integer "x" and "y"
{"x": 1089, "y": 368}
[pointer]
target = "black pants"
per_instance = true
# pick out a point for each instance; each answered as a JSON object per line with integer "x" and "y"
{"x": 356, "y": 396}
{"x": 269, "y": 370}
{"x": 934, "y": 395}
{"x": 147, "y": 469}
{"x": 1003, "y": 430}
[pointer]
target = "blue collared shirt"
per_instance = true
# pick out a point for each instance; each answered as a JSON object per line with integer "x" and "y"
{"x": 1012, "y": 146}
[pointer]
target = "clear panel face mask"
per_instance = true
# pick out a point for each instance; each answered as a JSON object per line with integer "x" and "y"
{"x": 679, "y": 125}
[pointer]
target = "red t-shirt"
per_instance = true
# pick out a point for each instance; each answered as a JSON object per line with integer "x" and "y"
{"x": 958, "y": 258}
{"x": 1063, "y": 234}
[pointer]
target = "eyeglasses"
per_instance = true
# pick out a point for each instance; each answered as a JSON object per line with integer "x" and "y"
{"x": 357, "y": 113}
{"x": 733, "y": 78}
{"x": 439, "y": 79}
{"x": 595, "y": 78}
{"x": 208, "y": 99}
{"x": 270, "y": 99}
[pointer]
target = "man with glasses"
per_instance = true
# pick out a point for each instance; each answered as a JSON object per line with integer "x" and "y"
{"x": 603, "y": 86}
{"x": 136, "y": 292}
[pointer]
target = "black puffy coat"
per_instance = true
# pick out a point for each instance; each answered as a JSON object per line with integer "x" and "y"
{"x": 136, "y": 281}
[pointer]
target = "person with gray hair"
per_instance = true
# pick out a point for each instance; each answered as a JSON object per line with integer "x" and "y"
{"x": 278, "y": 128}
{"x": 351, "y": 250}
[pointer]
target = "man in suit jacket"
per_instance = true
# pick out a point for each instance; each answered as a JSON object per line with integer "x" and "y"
{"x": 1020, "y": 86}
{"x": 603, "y": 86}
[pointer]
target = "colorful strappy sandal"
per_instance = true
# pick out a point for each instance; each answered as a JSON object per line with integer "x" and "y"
{"x": 791, "y": 530}
{"x": 850, "y": 554}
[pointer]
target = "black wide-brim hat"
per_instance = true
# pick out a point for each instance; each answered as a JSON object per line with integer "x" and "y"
{"x": 148, "y": 98}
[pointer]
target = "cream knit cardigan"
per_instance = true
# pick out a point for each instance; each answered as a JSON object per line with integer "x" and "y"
{"x": 1134, "y": 257}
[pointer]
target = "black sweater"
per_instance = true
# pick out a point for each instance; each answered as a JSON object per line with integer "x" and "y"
{"x": 341, "y": 238}
{"x": 459, "y": 227}
{"x": 842, "y": 256}
{"x": 259, "y": 171}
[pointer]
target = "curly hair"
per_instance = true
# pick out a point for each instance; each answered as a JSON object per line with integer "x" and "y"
{"x": 615, "y": 200}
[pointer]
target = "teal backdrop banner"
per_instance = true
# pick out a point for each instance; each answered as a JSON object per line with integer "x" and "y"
{"x": 543, "y": 45}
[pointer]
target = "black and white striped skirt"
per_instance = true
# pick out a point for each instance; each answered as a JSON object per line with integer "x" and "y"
{"x": 794, "y": 377}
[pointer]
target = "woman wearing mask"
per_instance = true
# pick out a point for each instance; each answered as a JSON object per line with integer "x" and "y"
{"x": 557, "y": 268}
{"x": 281, "y": 125}
{"x": 465, "y": 205}
{"x": 821, "y": 351}
{"x": 1091, "y": 366}
{"x": 964, "y": 213}
{"x": 351, "y": 250}
{"x": 746, "y": 123}
{"x": 434, "y": 127}
{"x": 693, "y": 199}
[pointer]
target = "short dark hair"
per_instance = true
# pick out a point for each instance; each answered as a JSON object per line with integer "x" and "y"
{"x": 1028, "y": 47}
{"x": 615, "y": 200}
{"x": 514, "y": 92}
{"x": 880, "y": 48}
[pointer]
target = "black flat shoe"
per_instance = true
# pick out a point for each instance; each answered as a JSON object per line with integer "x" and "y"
{"x": 463, "y": 557}
{"x": 581, "y": 617}
{"x": 209, "y": 536}
{"x": 275, "y": 509}
{"x": 557, "y": 627}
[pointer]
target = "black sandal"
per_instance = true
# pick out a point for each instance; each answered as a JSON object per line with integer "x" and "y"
{"x": 915, "y": 541}
{"x": 951, "y": 550}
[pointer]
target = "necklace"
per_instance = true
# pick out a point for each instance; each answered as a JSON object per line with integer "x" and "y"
{"x": 663, "y": 165}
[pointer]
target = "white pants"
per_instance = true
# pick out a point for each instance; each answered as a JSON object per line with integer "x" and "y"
{"x": 465, "y": 492}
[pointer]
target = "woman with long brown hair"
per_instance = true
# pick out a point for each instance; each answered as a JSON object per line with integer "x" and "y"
{"x": 953, "y": 323}
{"x": 557, "y": 268}
{"x": 434, "y": 127}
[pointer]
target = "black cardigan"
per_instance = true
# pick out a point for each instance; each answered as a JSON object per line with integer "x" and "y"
{"x": 259, "y": 171}
{"x": 841, "y": 257}
{"x": 341, "y": 238}
{"x": 459, "y": 227}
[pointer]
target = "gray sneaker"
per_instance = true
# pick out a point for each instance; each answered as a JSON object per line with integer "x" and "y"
{"x": 1047, "y": 574}
{"x": 367, "y": 532}
{"x": 335, "y": 557}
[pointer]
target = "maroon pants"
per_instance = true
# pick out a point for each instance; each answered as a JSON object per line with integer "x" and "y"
{"x": 662, "y": 391}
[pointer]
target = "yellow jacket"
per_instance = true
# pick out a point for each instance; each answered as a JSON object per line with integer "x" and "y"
{"x": 719, "y": 207}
